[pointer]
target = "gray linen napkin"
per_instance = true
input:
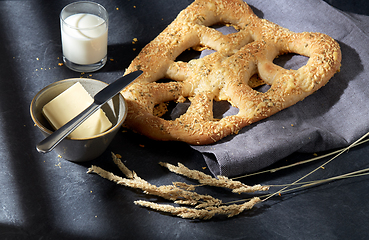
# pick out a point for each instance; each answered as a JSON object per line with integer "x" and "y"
{"x": 334, "y": 116}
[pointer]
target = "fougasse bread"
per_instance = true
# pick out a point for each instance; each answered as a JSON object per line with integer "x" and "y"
{"x": 225, "y": 74}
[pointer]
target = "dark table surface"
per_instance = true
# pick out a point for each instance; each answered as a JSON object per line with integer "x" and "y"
{"x": 46, "y": 197}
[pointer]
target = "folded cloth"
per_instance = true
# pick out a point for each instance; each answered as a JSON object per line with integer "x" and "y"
{"x": 334, "y": 116}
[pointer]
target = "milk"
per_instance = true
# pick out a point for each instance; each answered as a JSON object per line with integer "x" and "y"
{"x": 84, "y": 38}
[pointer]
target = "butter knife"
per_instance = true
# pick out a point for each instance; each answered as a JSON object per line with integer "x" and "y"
{"x": 107, "y": 93}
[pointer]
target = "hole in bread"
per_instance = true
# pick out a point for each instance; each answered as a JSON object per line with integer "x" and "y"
{"x": 258, "y": 84}
{"x": 255, "y": 81}
{"x": 165, "y": 80}
{"x": 223, "y": 109}
{"x": 225, "y": 29}
{"x": 171, "y": 110}
{"x": 161, "y": 110}
{"x": 188, "y": 55}
{"x": 263, "y": 88}
{"x": 291, "y": 61}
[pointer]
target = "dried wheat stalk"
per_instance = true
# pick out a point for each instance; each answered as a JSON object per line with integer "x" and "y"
{"x": 206, "y": 213}
{"x": 128, "y": 173}
{"x": 236, "y": 186}
{"x": 204, "y": 206}
{"x": 169, "y": 192}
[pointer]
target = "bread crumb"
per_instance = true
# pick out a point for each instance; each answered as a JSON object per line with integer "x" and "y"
{"x": 58, "y": 165}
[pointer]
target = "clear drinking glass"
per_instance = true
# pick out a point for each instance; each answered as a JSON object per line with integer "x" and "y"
{"x": 84, "y": 35}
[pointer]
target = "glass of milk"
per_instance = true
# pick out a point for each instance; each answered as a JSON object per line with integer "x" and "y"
{"x": 84, "y": 35}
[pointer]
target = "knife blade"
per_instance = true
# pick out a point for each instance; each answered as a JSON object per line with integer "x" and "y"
{"x": 107, "y": 93}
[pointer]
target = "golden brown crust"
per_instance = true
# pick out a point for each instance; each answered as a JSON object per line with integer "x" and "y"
{"x": 225, "y": 74}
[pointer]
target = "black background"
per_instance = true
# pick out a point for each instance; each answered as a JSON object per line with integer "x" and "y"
{"x": 46, "y": 197}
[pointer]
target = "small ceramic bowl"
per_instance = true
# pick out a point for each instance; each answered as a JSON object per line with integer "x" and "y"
{"x": 80, "y": 149}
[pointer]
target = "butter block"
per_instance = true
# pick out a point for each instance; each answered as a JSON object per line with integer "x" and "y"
{"x": 69, "y": 104}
